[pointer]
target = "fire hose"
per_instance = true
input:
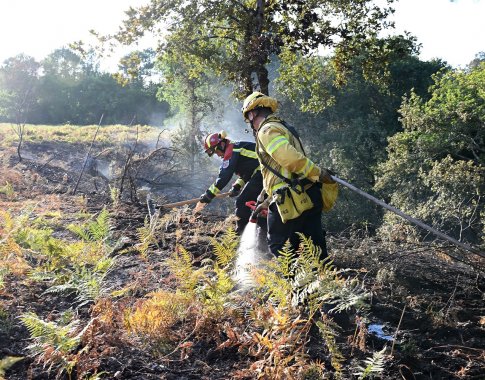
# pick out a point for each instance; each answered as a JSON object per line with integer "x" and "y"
{"x": 253, "y": 205}
{"x": 409, "y": 218}
{"x": 263, "y": 212}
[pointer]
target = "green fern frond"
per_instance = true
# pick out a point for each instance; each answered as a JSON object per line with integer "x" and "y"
{"x": 307, "y": 250}
{"x": 329, "y": 331}
{"x": 101, "y": 227}
{"x": 147, "y": 235}
{"x": 60, "y": 337}
{"x": 6, "y": 363}
{"x": 80, "y": 231}
{"x": 286, "y": 261}
{"x": 3, "y": 273}
{"x": 271, "y": 284}
{"x": 180, "y": 265}
{"x": 373, "y": 366}
{"x": 351, "y": 295}
{"x": 86, "y": 283}
{"x": 40, "y": 275}
{"x": 216, "y": 290}
{"x": 95, "y": 230}
{"x": 316, "y": 282}
{"x": 55, "y": 342}
{"x": 225, "y": 248}
{"x": 8, "y": 190}
{"x": 11, "y": 224}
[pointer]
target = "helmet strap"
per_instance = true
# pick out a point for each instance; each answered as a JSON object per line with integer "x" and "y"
{"x": 219, "y": 146}
{"x": 254, "y": 112}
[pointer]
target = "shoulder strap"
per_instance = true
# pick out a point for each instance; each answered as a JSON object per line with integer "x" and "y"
{"x": 293, "y": 131}
{"x": 287, "y": 180}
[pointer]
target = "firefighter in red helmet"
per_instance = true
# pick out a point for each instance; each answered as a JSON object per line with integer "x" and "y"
{"x": 238, "y": 158}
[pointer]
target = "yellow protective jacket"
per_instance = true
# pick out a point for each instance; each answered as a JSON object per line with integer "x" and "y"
{"x": 281, "y": 150}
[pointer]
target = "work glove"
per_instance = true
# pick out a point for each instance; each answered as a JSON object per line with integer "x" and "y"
{"x": 261, "y": 196}
{"x": 235, "y": 190}
{"x": 262, "y": 208}
{"x": 206, "y": 198}
{"x": 325, "y": 176}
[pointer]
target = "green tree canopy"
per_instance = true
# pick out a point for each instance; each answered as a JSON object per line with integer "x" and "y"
{"x": 237, "y": 39}
{"x": 436, "y": 166}
{"x": 346, "y": 127}
{"x": 19, "y": 78}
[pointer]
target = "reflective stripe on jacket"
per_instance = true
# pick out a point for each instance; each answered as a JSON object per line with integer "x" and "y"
{"x": 282, "y": 151}
{"x": 240, "y": 159}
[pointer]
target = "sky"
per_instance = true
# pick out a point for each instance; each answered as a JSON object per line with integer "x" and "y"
{"x": 450, "y": 30}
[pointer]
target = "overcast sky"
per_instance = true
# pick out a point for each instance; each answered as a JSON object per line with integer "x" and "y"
{"x": 450, "y": 30}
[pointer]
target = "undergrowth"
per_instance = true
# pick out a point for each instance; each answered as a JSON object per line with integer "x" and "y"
{"x": 283, "y": 325}
{"x": 271, "y": 323}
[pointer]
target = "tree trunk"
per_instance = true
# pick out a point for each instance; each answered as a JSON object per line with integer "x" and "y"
{"x": 20, "y": 128}
{"x": 262, "y": 56}
{"x": 263, "y": 79}
{"x": 193, "y": 128}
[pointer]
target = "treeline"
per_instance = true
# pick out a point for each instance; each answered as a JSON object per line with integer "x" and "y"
{"x": 66, "y": 88}
{"x": 406, "y": 130}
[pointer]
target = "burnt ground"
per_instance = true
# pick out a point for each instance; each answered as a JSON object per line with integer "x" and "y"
{"x": 427, "y": 303}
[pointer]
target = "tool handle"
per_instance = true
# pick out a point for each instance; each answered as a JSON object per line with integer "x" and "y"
{"x": 190, "y": 201}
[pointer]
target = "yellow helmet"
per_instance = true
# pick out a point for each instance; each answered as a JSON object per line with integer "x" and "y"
{"x": 257, "y": 100}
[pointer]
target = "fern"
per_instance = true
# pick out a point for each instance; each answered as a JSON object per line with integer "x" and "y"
{"x": 317, "y": 281}
{"x": 271, "y": 284}
{"x": 12, "y": 258}
{"x": 87, "y": 283}
{"x": 216, "y": 290}
{"x": 7, "y": 223}
{"x": 280, "y": 344}
{"x": 54, "y": 343}
{"x": 151, "y": 319}
{"x": 8, "y": 190}
{"x": 114, "y": 193}
{"x": 147, "y": 235}
{"x": 225, "y": 249}
{"x": 60, "y": 337}
{"x": 3, "y": 272}
{"x": 329, "y": 331}
{"x": 10, "y": 225}
{"x": 95, "y": 230}
{"x": 351, "y": 295}
{"x": 286, "y": 261}
{"x": 373, "y": 366}
{"x": 6, "y": 363}
{"x": 180, "y": 265}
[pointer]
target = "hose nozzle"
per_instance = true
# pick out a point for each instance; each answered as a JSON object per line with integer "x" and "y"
{"x": 253, "y": 205}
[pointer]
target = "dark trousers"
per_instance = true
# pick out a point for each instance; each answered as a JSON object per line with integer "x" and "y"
{"x": 249, "y": 192}
{"x": 309, "y": 223}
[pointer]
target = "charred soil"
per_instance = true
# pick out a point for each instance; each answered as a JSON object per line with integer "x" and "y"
{"x": 426, "y": 303}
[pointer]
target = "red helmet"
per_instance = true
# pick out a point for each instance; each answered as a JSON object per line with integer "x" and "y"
{"x": 213, "y": 142}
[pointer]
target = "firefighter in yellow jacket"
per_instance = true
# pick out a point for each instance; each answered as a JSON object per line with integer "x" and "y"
{"x": 283, "y": 164}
